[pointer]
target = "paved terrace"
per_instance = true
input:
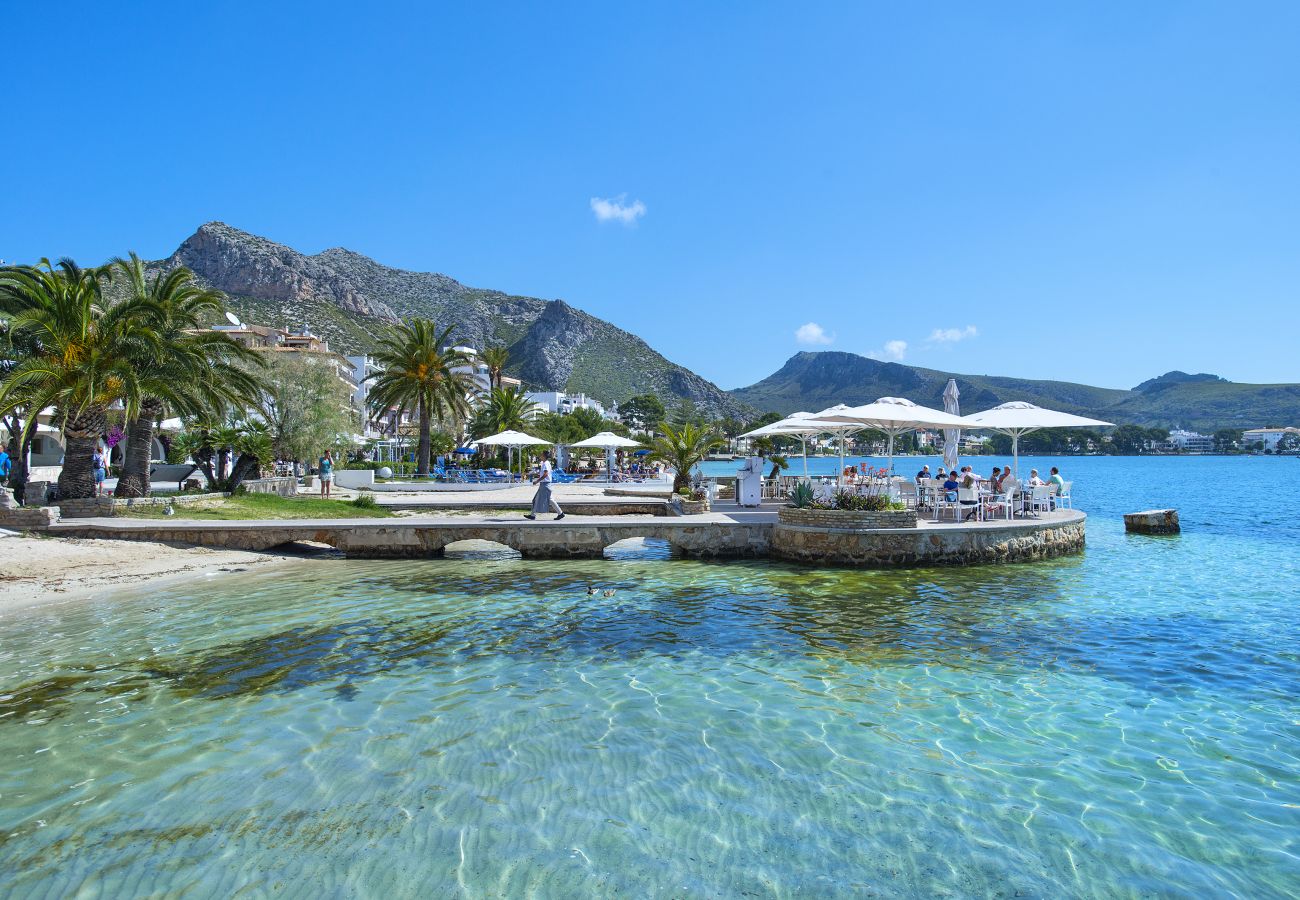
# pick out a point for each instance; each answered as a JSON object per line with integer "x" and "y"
{"x": 727, "y": 532}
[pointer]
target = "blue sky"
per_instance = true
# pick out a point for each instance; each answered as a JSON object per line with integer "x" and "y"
{"x": 1095, "y": 194}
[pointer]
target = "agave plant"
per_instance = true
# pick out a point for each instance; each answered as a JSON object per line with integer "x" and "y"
{"x": 802, "y": 496}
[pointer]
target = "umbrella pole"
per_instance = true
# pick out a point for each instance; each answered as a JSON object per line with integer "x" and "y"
{"x": 839, "y": 476}
{"x": 1015, "y": 453}
{"x": 891, "y": 453}
{"x": 804, "y": 440}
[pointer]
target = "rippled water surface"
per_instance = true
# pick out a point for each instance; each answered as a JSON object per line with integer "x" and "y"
{"x": 1120, "y": 723}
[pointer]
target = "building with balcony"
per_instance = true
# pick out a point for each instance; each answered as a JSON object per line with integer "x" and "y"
{"x": 1266, "y": 438}
{"x": 561, "y": 402}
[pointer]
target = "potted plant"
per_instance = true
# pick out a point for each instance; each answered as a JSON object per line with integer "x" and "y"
{"x": 870, "y": 508}
{"x": 691, "y": 501}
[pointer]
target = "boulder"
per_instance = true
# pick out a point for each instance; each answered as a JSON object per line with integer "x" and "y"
{"x": 1152, "y": 521}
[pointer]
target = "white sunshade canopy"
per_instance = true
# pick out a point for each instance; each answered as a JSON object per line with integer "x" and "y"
{"x": 1022, "y": 417}
{"x": 606, "y": 440}
{"x": 512, "y": 439}
{"x": 1018, "y": 417}
{"x": 802, "y": 425}
{"x": 793, "y": 425}
{"x": 896, "y": 414}
{"x": 893, "y": 416}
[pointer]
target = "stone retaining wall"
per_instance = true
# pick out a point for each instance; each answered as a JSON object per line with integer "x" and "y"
{"x": 285, "y": 487}
{"x": 873, "y": 548}
{"x": 28, "y": 517}
{"x": 844, "y": 518}
{"x": 92, "y": 507}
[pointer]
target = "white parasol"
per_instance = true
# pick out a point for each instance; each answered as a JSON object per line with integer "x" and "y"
{"x": 1018, "y": 418}
{"x": 951, "y": 436}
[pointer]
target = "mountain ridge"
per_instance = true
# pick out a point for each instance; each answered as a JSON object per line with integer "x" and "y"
{"x": 811, "y": 381}
{"x": 351, "y": 299}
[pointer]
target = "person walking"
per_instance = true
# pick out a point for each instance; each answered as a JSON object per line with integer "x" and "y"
{"x": 99, "y": 463}
{"x": 542, "y": 500}
{"x": 5, "y": 466}
{"x": 326, "y": 473}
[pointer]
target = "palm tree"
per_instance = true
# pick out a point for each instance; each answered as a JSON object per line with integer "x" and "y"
{"x": 504, "y": 411}
{"x": 84, "y": 359}
{"x": 683, "y": 446}
{"x": 194, "y": 372}
{"x": 420, "y": 376}
{"x": 495, "y": 358}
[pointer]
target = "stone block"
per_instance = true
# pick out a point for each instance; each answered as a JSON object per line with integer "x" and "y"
{"x": 1152, "y": 521}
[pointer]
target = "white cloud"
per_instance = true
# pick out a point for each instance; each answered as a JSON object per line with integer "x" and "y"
{"x": 812, "y": 333}
{"x": 952, "y": 335}
{"x": 617, "y": 209}
{"x": 893, "y": 351}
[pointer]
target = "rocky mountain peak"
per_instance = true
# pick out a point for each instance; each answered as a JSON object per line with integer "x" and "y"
{"x": 350, "y": 299}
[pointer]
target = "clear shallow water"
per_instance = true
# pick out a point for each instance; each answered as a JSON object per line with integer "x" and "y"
{"x": 1121, "y": 723}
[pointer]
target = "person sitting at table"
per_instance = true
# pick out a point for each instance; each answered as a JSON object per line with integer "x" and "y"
{"x": 1056, "y": 483}
{"x": 1034, "y": 480}
{"x": 950, "y": 487}
{"x": 923, "y": 475}
{"x": 971, "y": 482}
{"x": 1004, "y": 495}
{"x": 995, "y": 480}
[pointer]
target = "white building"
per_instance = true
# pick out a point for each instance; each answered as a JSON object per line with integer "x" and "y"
{"x": 1190, "y": 442}
{"x": 1266, "y": 438}
{"x": 561, "y": 402}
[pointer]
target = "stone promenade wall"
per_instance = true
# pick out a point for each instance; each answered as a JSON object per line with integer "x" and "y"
{"x": 869, "y": 548}
{"x": 402, "y": 540}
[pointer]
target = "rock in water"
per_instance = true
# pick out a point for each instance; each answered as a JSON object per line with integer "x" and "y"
{"x": 1152, "y": 521}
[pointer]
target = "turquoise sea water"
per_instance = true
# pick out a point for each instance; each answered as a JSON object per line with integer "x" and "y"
{"x": 1120, "y": 723}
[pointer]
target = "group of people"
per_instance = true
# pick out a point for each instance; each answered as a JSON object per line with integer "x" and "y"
{"x": 1001, "y": 482}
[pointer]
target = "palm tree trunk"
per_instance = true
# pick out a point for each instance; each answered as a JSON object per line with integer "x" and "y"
{"x": 134, "y": 478}
{"x": 18, "y": 451}
{"x": 245, "y": 467}
{"x": 18, "y": 471}
{"x": 426, "y": 440}
{"x": 82, "y": 430}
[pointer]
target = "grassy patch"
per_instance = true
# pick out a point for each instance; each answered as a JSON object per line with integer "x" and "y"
{"x": 267, "y": 506}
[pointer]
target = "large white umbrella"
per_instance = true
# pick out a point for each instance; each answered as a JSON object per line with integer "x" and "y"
{"x": 951, "y": 436}
{"x": 513, "y": 439}
{"x": 802, "y": 425}
{"x": 1018, "y": 418}
{"x": 609, "y": 441}
{"x": 893, "y": 416}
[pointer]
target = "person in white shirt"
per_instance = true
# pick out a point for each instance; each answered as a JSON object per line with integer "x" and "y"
{"x": 542, "y": 500}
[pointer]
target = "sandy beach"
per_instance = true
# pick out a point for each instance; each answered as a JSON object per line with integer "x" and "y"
{"x": 35, "y": 570}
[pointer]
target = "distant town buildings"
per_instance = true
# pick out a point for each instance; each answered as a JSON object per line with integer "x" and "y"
{"x": 302, "y": 341}
{"x": 1189, "y": 442}
{"x": 1266, "y": 438}
{"x": 561, "y": 402}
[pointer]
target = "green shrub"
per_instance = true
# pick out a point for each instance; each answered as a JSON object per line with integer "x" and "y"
{"x": 364, "y": 501}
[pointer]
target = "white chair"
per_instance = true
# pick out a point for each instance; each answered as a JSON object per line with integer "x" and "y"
{"x": 908, "y": 495}
{"x": 968, "y": 501}
{"x": 1040, "y": 499}
{"x": 943, "y": 501}
{"x": 1004, "y": 502}
{"x": 1064, "y": 498}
